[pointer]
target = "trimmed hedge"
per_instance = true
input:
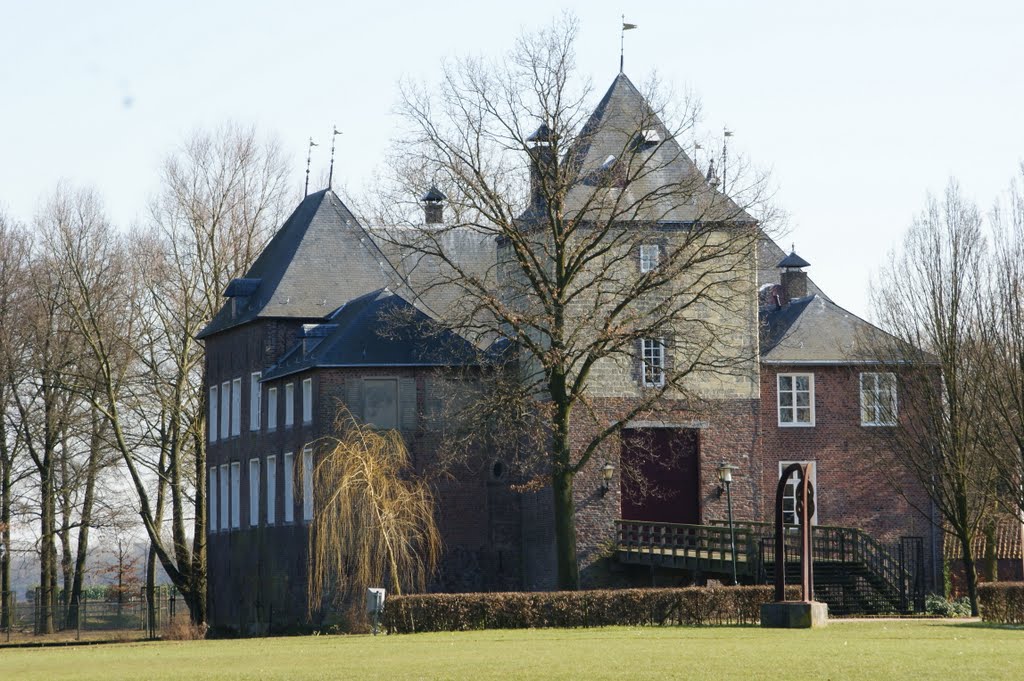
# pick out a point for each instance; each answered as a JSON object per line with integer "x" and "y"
{"x": 1002, "y": 602}
{"x": 691, "y": 606}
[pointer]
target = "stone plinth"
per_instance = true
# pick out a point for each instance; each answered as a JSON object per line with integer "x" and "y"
{"x": 794, "y": 615}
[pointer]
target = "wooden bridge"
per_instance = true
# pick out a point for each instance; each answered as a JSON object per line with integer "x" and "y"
{"x": 853, "y": 572}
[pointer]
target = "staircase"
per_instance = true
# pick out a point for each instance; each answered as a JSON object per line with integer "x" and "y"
{"x": 853, "y": 573}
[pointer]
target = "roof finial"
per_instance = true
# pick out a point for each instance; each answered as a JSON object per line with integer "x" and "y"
{"x": 330, "y": 174}
{"x": 309, "y": 160}
{"x": 622, "y": 43}
{"x": 726, "y": 134}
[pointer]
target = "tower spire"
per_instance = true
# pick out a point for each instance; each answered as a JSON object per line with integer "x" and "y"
{"x": 309, "y": 160}
{"x": 330, "y": 174}
{"x": 622, "y": 43}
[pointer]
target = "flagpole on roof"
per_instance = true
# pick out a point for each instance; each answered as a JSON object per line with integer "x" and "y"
{"x": 622, "y": 43}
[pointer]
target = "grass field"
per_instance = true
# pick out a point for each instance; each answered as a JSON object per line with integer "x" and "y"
{"x": 890, "y": 651}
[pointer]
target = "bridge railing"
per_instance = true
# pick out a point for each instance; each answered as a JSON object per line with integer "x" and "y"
{"x": 699, "y": 542}
{"x": 832, "y": 543}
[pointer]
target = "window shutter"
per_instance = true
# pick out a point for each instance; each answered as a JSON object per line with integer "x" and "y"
{"x": 407, "y": 403}
{"x": 354, "y": 396}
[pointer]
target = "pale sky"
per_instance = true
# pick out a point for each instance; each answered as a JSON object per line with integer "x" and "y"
{"x": 858, "y": 108}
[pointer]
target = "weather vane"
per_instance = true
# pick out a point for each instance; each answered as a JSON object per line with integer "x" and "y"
{"x": 330, "y": 174}
{"x": 309, "y": 160}
{"x": 622, "y": 43}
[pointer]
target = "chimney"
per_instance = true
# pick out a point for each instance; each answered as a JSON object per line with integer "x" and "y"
{"x": 794, "y": 279}
{"x": 542, "y": 156}
{"x": 433, "y": 206}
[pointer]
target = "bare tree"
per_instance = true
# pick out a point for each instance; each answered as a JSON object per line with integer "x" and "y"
{"x": 929, "y": 298}
{"x": 223, "y": 196}
{"x": 372, "y": 523}
{"x": 566, "y": 297}
{"x": 1004, "y": 342}
{"x": 14, "y": 253}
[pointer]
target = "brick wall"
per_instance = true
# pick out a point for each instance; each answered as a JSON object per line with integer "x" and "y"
{"x": 856, "y": 473}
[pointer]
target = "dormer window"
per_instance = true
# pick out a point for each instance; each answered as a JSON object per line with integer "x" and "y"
{"x": 650, "y": 256}
{"x": 646, "y": 139}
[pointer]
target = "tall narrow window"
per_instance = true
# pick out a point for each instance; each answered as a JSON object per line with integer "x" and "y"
{"x": 307, "y": 400}
{"x": 211, "y": 501}
{"x": 289, "y": 404}
{"x": 307, "y": 483}
{"x": 254, "y": 401}
{"x": 225, "y": 410}
{"x": 289, "y": 488}
{"x": 224, "y": 498}
{"x": 271, "y": 490}
{"x": 796, "y": 399}
{"x": 650, "y": 256}
{"x": 236, "y": 407}
{"x": 236, "y": 490}
{"x": 213, "y": 414}
{"x": 271, "y": 408}
{"x": 254, "y": 492}
{"x": 878, "y": 399}
{"x": 653, "y": 361}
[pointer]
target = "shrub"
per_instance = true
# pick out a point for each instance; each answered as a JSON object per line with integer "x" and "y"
{"x": 1002, "y": 602}
{"x": 934, "y": 604}
{"x": 570, "y": 609}
{"x": 181, "y": 629}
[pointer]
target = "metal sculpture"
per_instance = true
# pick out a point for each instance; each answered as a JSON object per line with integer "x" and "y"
{"x": 804, "y": 513}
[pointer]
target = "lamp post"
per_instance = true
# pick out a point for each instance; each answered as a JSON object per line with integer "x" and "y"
{"x": 607, "y": 471}
{"x": 725, "y": 477}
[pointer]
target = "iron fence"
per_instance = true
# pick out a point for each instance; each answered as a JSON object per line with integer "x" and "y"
{"x": 128, "y": 616}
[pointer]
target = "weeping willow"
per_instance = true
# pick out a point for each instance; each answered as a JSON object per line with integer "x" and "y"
{"x": 373, "y": 522}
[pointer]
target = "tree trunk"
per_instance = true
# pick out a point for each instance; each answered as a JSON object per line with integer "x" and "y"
{"x": 970, "y": 572}
{"x": 151, "y": 590}
{"x": 92, "y": 470}
{"x": 47, "y": 552}
{"x": 6, "y": 478}
{"x": 565, "y": 531}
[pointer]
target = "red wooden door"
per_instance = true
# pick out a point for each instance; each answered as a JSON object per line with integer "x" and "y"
{"x": 660, "y": 470}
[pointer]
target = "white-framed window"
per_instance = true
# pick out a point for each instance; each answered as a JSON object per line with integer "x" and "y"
{"x": 211, "y": 501}
{"x": 271, "y": 408}
{"x": 796, "y": 399}
{"x": 236, "y": 407}
{"x": 236, "y": 492}
{"x": 213, "y": 414}
{"x": 650, "y": 256}
{"x": 225, "y": 410}
{"x": 307, "y": 400}
{"x": 289, "y": 487}
{"x": 289, "y": 404}
{"x": 254, "y": 492}
{"x": 307, "y": 483}
{"x": 224, "y": 497}
{"x": 271, "y": 489}
{"x": 254, "y": 401}
{"x": 878, "y": 399}
{"x": 652, "y": 359}
{"x": 789, "y": 492}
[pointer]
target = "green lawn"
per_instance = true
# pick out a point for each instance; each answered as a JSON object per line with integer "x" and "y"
{"x": 848, "y": 650}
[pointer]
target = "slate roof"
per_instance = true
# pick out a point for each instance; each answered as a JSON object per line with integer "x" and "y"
{"x": 379, "y": 328}
{"x": 320, "y": 258}
{"x": 623, "y": 126}
{"x": 814, "y": 330}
